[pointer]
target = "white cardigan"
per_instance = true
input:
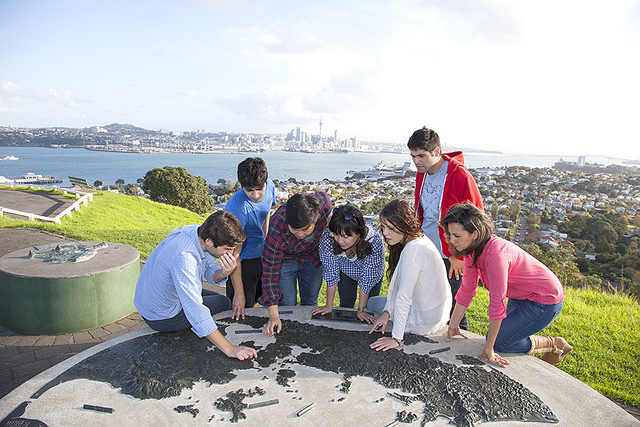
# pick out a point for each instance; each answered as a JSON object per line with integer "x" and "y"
{"x": 419, "y": 295}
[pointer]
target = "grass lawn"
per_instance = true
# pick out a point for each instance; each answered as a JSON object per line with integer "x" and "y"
{"x": 604, "y": 329}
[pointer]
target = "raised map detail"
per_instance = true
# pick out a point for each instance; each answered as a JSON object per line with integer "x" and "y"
{"x": 66, "y": 252}
{"x": 158, "y": 366}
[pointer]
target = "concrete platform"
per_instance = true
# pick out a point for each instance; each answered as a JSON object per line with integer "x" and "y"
{"x": 572, "y": 402}
{"x": 38, "y": 296}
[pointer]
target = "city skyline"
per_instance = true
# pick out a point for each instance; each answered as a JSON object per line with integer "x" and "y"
{"x": 530, "y": 77}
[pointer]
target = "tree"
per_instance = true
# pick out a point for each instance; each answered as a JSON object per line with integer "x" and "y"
{"x": 97, "y": 183}
{"x": 561, "y": 262}
{"x": 175, "y": 186}
{"x": 494, "y": 211}
{"x": 119, "y": 181}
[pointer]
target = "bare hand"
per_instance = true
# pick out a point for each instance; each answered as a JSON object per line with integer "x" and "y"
{"x": 365, "y": 317}
{"x": 237, "y": 306}
{"x": 384, "y": 344}
{"x": 493, "y": 358}
{"x": 452, "y": 331}
{"x": 274, "y": 325}
{"x": 380, "y": 323}
{"x": 457, "y": 267}
{"x": 228, "y": 263}
{"x": 241, "y": 352}
{"x": 325, "y": 309}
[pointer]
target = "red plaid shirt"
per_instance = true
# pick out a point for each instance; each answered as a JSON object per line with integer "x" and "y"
{"x": 280, "y": 245}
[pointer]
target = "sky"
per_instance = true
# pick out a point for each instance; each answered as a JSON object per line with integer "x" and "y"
{"x": 530, "y": 76}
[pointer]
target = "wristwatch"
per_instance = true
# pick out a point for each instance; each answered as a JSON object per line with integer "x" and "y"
{"x": 397, "y": 340}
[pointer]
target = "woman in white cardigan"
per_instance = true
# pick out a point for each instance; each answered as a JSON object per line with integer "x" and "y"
{"x": 419, "y": 295}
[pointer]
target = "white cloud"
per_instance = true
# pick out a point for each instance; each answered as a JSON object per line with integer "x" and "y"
{"x": 6, "y": 109}
{"x": 9, "y": 88}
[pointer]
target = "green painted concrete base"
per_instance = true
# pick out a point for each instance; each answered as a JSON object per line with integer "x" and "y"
{"x": 41, "y": 305}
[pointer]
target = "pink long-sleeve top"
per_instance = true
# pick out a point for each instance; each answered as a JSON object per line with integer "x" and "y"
{"x": 507, "y": 271}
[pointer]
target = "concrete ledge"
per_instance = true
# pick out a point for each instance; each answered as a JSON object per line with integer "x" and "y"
{"x": 40, "y": 297}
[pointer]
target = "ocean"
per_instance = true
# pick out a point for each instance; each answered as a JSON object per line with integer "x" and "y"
{"x": 110, "y": 166}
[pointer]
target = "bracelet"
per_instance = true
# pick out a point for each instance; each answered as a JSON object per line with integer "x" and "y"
{"x": 361, "y": 310}
{"x": 397, "y": 340}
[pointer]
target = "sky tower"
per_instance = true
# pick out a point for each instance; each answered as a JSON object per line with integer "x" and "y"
{"x": 320, "y": 136}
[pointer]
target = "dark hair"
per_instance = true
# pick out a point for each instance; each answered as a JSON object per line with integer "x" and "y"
{"x": 347, "y": 220}
{"x": 424, "y": 139}
{"x": 252, "y": 173}
{"x": 223, "y": 228}
{"x": 302, "y": 210}
{"x": 471, "y": 218}
{"x": 401, "y": 215}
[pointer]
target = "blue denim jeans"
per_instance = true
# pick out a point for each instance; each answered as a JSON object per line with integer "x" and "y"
{"x": 306, "y": 277}
{"x": 348, "y": 290}
{"x": 214, "y": 302}
{"x": 376, "y": 304}
{"x": 524, "y": 318}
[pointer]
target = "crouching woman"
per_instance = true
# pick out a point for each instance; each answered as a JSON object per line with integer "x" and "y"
{"x": 419, "y": 295}
{"x": 507, "y": 271}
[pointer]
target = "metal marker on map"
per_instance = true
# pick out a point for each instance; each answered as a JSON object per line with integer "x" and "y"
{"x": 305, "y": 409}
{"x": 440, "y": 350}
{"x": 265, "y": 403}
{"x": 98, "y": 408}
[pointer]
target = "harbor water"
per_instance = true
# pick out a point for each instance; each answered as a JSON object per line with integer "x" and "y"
{"x": 108, "y": 167}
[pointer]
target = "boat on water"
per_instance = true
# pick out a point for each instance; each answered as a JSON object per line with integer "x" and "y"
{"x": 9, "y": 158}
{"x": 382, "y": 169}
{"x": 30, "y": 178}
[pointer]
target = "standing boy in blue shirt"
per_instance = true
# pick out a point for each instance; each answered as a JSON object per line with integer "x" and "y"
{"x": 252, "y": 206}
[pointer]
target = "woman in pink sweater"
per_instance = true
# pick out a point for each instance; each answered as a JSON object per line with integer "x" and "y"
{"x": 534, "y": 292}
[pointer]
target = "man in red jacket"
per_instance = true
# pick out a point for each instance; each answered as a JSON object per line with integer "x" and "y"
{"x": 442, "y": 181}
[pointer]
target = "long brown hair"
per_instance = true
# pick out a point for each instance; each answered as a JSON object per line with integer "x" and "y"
{"x": 401, "y": 215}
{"x": 471, "y": 219}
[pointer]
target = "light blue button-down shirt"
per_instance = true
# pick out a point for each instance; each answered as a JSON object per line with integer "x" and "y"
{"x": 171, "y": 280}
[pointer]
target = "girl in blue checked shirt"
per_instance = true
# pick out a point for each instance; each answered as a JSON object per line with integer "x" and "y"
{"x": 352, "y": 255}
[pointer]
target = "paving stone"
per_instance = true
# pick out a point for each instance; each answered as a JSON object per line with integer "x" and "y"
{"x": 63, "y": 339}
{"x": 81, "y": 337}
{"x": 60, "y": 358}
{"x": 48, "y": 352}
{"x": 80, "y": 347}
{"x": 17, "y": 359}
{"x": 114, "y": 327}
{"x": 135, "y": 316}
{"x": 26, "y": 340}
{"x": 45, "y": 341}
{"x": 6, "y": 341}
{"x": 5, "y": 375}
{"x": 31, "y": 369}
{"x": 7, "y": 352}
{"x": 98, "y": 333}
{"x": 127, "y": 323}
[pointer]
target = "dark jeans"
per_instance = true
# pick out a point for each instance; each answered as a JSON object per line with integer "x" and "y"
{"x": 251, "y": 281}
{"x": 295, "y": 275}
{"x": 214, "y": 302}
{"x": 455, "y": 285}
{"x": 524, "y": 318}
{"x": 348, "y": 290}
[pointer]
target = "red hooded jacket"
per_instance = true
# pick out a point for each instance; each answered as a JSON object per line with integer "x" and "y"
{"x": 459, "y": 187}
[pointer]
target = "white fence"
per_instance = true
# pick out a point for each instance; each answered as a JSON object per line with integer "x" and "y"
{"x": 83, "y": 199}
